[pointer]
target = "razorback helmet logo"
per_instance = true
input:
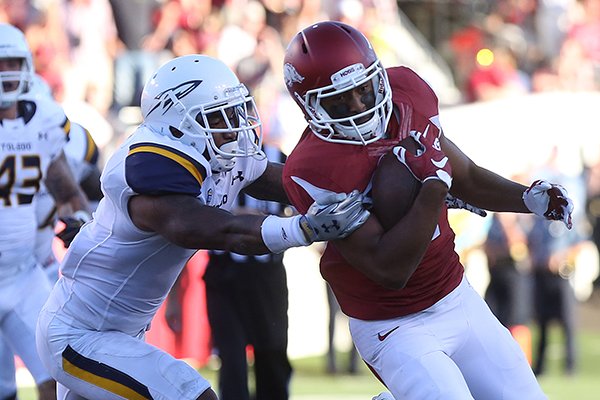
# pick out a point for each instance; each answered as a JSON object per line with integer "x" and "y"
{"x": 291, "y": 75}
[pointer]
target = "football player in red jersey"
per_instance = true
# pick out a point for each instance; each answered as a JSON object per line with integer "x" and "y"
{"x": 414, "y": 318}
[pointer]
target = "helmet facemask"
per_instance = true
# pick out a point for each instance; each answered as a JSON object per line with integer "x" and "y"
{"x": 359, "y": 128}
{"x": 14, "y": 83}
{"x": 236, "y": 119}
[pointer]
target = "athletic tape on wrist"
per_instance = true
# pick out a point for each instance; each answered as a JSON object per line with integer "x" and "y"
{"x": 282, "y": 233}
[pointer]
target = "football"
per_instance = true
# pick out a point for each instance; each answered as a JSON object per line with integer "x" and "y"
{"x": 394, "y": 190}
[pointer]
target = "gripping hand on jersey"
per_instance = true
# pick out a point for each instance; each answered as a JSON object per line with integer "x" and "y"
{"x": 331, "y": 216}
{"x": 550, "y": 201}
{"x": 334, "y": 216}
{"x": 430, "y": 162}
{"x": 72, "y": 226}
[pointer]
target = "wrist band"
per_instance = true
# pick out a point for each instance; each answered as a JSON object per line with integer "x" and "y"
{"x": 281, "y": 233}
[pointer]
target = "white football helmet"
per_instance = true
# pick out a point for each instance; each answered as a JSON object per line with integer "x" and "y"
{"x": 14, "y": 83}
{"x": 38, "y": 88}
{"x": 201, "y": 97}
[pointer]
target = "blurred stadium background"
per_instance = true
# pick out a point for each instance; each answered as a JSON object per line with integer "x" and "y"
{"x": 518, "y": 81}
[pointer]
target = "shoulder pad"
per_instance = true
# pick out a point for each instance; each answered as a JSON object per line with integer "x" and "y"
{"x": 409, "y": 87}
{"x": 154, "y": 169}
{"x": 81, "y": 144}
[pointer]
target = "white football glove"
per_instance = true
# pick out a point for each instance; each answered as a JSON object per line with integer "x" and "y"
{"x": 334, "y": 216}
{"x": 550, "y": 201}
{"x": 455, "y": 202}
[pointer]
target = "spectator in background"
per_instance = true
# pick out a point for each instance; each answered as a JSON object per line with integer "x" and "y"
{"x": 239, "y": 36}
{"x": 495, "y": 75}
{"x": 198, "y": 19}
{"x": 586, "y": 33}
{"x": 552, "y": 252}
{"x": 137, "y": 58}
{"x": 593, "y": 204}
{"x": 550, "y": 248}
{"x": 92, "y": 42}
{"x": 507, "y": 292}
{"x": 335, "y": 312}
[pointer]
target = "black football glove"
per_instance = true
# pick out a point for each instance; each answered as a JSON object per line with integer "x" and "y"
{"x": 72, "y": 224}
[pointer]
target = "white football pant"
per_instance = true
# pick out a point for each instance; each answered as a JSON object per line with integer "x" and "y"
{"x": 110, "y": 365}
{"x": 454, "y": 350}
{"x": 21, "y": 299}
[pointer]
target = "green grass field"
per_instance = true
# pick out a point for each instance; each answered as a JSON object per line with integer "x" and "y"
{"x": 310, "y": 382}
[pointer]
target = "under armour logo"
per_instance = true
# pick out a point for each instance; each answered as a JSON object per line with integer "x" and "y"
{"x": 239, "y": 176}
{"x": 43, "y": 136}
{"x": 334, "y": 225}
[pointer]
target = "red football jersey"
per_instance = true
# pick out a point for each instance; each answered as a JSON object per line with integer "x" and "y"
{"x": 345, "y": 167}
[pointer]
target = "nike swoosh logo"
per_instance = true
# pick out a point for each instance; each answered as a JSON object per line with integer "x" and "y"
{"x": 440, "y": 164}
{"x": 385, "y": 335}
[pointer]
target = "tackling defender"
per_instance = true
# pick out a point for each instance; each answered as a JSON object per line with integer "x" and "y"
{"x": 166, "y": 192}
{"x": 414, "y": 318}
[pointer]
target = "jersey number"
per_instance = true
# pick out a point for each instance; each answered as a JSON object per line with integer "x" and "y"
{"x": 10, "y": 167}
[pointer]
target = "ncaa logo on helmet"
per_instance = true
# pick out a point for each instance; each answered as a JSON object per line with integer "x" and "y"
{"x": 165, "y": 98}
{"x": 291, "y": 75}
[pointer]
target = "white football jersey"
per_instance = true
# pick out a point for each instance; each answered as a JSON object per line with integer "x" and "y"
{"x": 82, "y": 155}
{"x": 28, "y": 145}
{"x": 115, "y": 276}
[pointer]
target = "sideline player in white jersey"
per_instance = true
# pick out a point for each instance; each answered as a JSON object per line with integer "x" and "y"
{"x": 82, "y": 155}
{"x": 166, "y": 192}
{"x": 33, "y": 133}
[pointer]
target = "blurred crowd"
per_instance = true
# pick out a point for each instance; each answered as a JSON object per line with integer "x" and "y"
{"x": 101, "y": 52}
{"x": 523, "y": 46}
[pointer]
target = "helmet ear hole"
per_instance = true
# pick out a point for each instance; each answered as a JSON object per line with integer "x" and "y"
{"x": 175, "y": 132}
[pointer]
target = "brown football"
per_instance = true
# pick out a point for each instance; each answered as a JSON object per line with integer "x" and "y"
{"x": 394, "y": 190}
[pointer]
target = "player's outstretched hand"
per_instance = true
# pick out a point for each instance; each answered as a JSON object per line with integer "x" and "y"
{"x": 430, "y": 162}
{"x": 550, "y": 201}
{"x": 72, "y": 225}
{"x": 334, "y": 216}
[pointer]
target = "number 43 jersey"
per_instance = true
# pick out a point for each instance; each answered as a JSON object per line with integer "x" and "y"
{"x": 28, "y": 144}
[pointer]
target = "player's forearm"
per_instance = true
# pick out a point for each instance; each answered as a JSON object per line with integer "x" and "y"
{"x": 490, "y": 191}
{"x": 240, "y": 234}
{"x": 402, "y": 248}
{"x": 390, "y": 258}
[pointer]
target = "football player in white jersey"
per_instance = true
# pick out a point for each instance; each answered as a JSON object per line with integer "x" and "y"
{"x": 82, "y": 156}
{"x": 166, "y": 191}
{"x": 32, "y": 135}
